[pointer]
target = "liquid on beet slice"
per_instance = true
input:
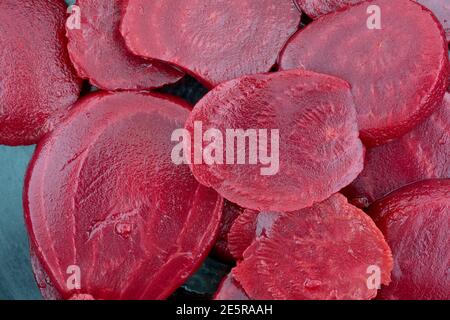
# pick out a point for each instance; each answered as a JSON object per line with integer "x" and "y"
{"x": 99, "y": 54}
{"x": 38, "y": 83}
{"x": 213, "y": 40}
{"x": 416, "y": 223}
{"x": 423, "y": 153}
{"x": 396, "y": 64}
{"x": 266, "y": 142}
{"x": 109, "y": 215}
{"x": 331, "y": 250}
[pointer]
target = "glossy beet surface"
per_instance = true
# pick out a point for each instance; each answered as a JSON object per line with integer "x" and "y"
{"x": 321, "y": 252}
{"x": 318, "y": 137}
{"x": 214, "y": 40}
{"x": 416, "y": 223}
{"x": 99, "y": 53}
{"x": 424, "y": 153}
{"x": 102, "y": 194}
{"x": 37, "y": 83}
{"x": 398, "y": 74}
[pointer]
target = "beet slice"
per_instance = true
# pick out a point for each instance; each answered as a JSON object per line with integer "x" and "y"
{"x": 229, "y": 289}
{"x": 441, "y": 8}
{"x": 317, "y": 8}
{"x": 230, "y": 213}
{"x": 99, "y": 53}
{"x": 424, "y": 153}
{"x": 416, "y": 222}
{"x": 398, "y": 74}
{"x": 38, "y": 83}
{"x": 321, "y": 252}
{"x": 102, "y": 194}
{"x": 214, "y": 41}
{"x": 318, "y": 137}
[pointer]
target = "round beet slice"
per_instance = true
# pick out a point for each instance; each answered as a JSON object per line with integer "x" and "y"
{"x": 290, "y": 139}
{"x": 213, "y": 40}
{"x": 99, "y": 53}
{"x": 327, "y": 251}
{"x": 416, "y": 223}
{"x": 441, "y": 8}
{"x": 230, "y": 213}
{"x": 316, "y": 8}
{"x": 398, "y": 74}
{"x": 424, "y": 153}
{"x": 229, "y": 289}
{"x": 105, "y": 205}
{"x": 38, "y": 83}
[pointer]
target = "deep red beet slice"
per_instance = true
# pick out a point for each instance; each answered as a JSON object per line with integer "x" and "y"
{"x": 214, "y": 41}
{"x": 102, "y": 194}
{"x": 424, "y": 153}
{"x": 441, "y": 8}
{"x": 398, "y": 74}
{"x": 99, "y": 53}
{"x": 229, "y": 289}
{"x": 316, "y": 8}
{"x": 317, "y": 137}
{"x": 327, "y": 251}
{"x": 230, "y": 213}
{"x": 37, "y": 83}
{"x": 416, "y": 223}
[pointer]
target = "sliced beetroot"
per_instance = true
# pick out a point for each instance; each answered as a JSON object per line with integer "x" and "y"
{"x": 214, "y": 41}
{"x": 327, "y": 251}
{"x": 229, "y": 289}
{"x": 317, "y": 137}
{"x": 37, "y": 83}
{"x": 424, "y": 153}
{"x": 441, "y": 8}
{"x": 230, "y": 213}
{"x": 102, "y": 195}
{"x": 99, "y": 53}
{"x": 316, "y": 8}
{"x": 398, "y": 74}
{"x": 416, "y": 223}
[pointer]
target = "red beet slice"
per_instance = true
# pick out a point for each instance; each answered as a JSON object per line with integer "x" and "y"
{"x": 416, "y": 222}
{"x": 316, "y": 8}
{"x": 321, "y": 252}
{"x": 318, "y": 137}
{"x": 424, "y": 153}
{"x": 441, "y": 8}
{"x": 229, "y": 289}
{"x": 214, "y": 41}
{"x": 230, "y": 213}
{"x": 99, "y": 53}
{"x": 398, "y": 74}
{"x": 102, "y": 194}
{"x": 38, "y": 83}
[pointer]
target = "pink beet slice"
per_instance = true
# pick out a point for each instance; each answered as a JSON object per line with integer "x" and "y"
{"x": 214, "y": 41}
{"x": 317, "y": 8}
{"x": 37, "y": 83}
{"x": 441, "y": 8}
{"x": 229, "y": 289}
{"x": 416, "y": 222}
{"x": 424, "y": 153}
{"x": 103, "y": 195}
{"x": 398, "y": 74}
{"x": 230, "y": 213}
{"x": 99, "y": 53}
{"x": 318, "y": 137}
{"x": 322, "y": 252}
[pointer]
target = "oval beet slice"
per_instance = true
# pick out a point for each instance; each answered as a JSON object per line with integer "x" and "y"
{"x": 230, "y": 213}
{"x": 104, "y": 203}
{"x": 424, "y": 153}
{"x": 278, "y": 136}
{"x": 416, "y": 223}
{"x": 229, "y": 289}
{"x": 214, "y": 41}
{"x": 327, "y": 251}
{"x": 99, "y": 54}
{"x": 38, "y": 83}
{"x": 398, "y": 74}
{"x": 316, "y": 8}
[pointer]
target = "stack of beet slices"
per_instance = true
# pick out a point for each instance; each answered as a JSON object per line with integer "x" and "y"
{"x": 316, "y": 167}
